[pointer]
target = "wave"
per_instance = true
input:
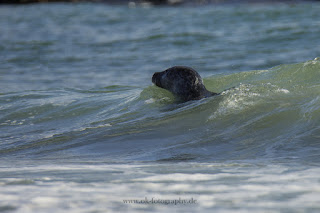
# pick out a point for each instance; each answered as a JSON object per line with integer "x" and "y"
{"x": 267, "y": 114}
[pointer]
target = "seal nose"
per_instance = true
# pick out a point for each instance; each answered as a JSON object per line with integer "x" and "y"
{"x": 156, "y": 79}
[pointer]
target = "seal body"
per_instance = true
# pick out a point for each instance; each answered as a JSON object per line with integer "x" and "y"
{"x": 184, "y": 82}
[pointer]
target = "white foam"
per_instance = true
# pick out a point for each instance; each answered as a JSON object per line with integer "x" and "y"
{"x": 150, "y": 101}
{"x": 103, "y": 187}
{"x": 285, "y": 91}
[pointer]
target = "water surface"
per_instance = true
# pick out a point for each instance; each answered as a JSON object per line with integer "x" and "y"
{"x": 82, "y": 128}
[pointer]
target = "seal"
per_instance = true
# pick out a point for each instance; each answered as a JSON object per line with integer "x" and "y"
{"x": 184, "y": 82}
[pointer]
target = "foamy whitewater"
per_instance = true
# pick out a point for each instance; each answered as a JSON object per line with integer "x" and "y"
{"x": 82, "y": 128}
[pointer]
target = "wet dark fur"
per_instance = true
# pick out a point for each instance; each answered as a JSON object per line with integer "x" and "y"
{"x": 184, "y": 82}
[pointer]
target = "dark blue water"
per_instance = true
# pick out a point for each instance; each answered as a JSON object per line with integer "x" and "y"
{"x": 82, "y": 128}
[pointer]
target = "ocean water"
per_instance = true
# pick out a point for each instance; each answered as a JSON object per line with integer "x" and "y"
{"x": 82, "y": 128}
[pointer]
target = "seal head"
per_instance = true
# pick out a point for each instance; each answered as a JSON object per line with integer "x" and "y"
{"x": 184, "y": 82}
